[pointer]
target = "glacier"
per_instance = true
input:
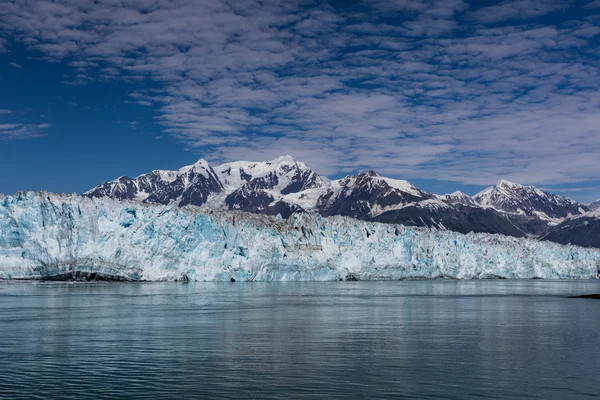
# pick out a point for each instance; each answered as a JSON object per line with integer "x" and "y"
{"x": 45, "y": 235}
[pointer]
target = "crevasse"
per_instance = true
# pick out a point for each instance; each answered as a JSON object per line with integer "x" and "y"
{"x": 45, "y": 235}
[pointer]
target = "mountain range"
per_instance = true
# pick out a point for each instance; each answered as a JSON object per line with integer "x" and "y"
{"x": 285, "y": 186}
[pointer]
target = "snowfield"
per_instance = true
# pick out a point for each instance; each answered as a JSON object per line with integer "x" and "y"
{"x": 45, "y": 235}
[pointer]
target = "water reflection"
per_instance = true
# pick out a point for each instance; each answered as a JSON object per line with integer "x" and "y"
{"x": 425, "y": 340}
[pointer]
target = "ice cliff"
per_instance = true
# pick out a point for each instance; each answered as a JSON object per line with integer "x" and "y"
{"x": 44, "y": 235}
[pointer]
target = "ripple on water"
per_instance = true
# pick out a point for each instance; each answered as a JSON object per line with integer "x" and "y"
{"x": 412, "y": 340}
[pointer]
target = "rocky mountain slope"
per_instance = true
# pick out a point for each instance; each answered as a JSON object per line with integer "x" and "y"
{"x": 528, "y": 200}
{"x": 581, "y": 230}
{"x": 259, "y": 187}
{"x": 285, "y": 186}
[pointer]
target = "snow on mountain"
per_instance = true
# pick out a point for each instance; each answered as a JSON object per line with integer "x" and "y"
{"x": 580, "y": 230}
{"x": 367, "y": 195}
{"x": 285, "y": 186}
{"x": 283, "y": 174}
{"x": 189, "y": 185}
{"x": 48, "y": 236}
{"x": 254, "y": 186}
{"x": 458, "y": 217}
{"x": 595, "y": 205}
{"x": 458, "y": 197}
{"x": 262, "y": 187}
{"x": 528, "y": 200}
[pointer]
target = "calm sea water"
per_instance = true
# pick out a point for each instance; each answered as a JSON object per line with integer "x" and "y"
{"x": 408, "y": 340}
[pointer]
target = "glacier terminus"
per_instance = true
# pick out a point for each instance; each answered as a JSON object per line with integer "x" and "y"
{"x": 53, "y": 236}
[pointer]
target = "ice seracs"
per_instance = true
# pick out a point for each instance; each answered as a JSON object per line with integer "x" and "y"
{"x": 43, "y": 235}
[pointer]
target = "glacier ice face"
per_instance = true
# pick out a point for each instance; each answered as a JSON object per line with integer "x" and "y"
{"x": 44, "y": 235}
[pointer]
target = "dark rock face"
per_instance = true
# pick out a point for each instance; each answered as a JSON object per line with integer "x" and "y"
{"x": 264, "y": 182}
{"x": 514, "y": 198}
{"x": 361, "y": 194}
{"x": 302, "y": 180}
{"x": 245, "y": 199}
{"x": 580, "y": 231}
{"x": 167, "y": 192}
{"x": 261, "y": 203}
{"x": 190, "y": 186}
{"x": 459, "y": 218}
{"x": 284, "y": 209}
{"x": 200, "y": 188}
{"x": 122, "y": 188}
{"x": 245, "y": 176}
{"x": 155, "y": 184}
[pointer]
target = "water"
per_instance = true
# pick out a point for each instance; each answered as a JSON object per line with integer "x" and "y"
{"x": 408, "y": 340}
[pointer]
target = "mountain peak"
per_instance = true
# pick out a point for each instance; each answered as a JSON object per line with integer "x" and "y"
{"x": 201, "y": 167}
{"x": 508, "y": 184}
{"x": 267, "y": 186}
{"x": 457, "y": 197}
{"x": 457, "y": 194}
{"x": 595, "y": 205}
{"x": 528, "y": 200}
{"x": 201, "y": 163}
{"x": 284, "y": 159}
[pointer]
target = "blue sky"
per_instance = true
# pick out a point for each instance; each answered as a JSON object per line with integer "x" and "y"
{"x": 448, "y": 94}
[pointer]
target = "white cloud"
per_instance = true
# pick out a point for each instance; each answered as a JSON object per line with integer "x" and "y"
{"x": 593, "y": 4}
{"x": 20, "y": 131}
{"x": 15, "y": 65}
{"x": 518, "y": 9}
{"x": 5, "y": 127}
{"x": 445, "y": 92}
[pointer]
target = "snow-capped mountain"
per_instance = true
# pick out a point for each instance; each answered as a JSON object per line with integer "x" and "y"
{"x": 285, "y": 186}
{"x": 189, "y": 185}
{"x": 528, "y": 200}
{"x": 367, "y": 195}
{"x": 595, "y": 205}
{"x": 266, "y": 187}
{"x": 259, "y": 187}
{"x": 458, "y": 197}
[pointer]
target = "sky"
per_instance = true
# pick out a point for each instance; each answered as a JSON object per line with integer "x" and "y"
{"x": 448, "y": 94}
